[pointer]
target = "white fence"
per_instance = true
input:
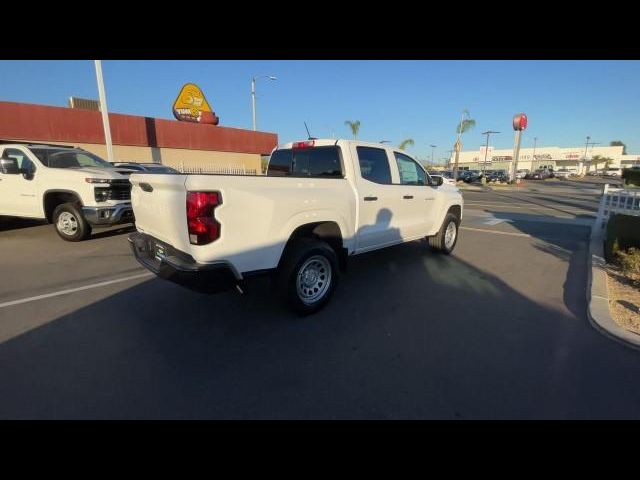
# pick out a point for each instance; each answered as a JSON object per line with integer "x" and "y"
{"x": 218, "y": 169}
{"x": 616, "y": 200}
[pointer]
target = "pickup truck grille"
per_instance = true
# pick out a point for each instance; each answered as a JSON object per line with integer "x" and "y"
{"x": 117, "y": 190}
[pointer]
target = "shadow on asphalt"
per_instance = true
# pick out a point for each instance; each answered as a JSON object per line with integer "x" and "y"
{"x": 408, "y": 334}
{"x": 13, "y": 223}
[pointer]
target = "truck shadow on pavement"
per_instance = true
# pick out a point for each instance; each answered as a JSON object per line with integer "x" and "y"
{"x": 408, "y": 334}
{"x": 14, "y": 223}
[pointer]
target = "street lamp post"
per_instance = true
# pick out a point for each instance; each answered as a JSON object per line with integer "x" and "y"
{"x": 486, "y": 148}
{"x": 432, "y": 152}
{"x": 253, "y": 95}
{"x": 104, "y": 110}
{"x": 533, "y": 158}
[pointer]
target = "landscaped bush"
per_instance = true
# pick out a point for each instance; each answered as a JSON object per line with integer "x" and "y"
{"x": 629, "y": 262}
{"x": 631, "y": 176}
{"x": 623, "y": 232}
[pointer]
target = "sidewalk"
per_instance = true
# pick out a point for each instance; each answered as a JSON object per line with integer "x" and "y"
{"x": 598, "y": 298}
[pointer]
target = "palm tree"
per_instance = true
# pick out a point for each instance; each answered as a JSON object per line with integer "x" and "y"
{"x": 354, "y": 126}
{"x": 465, "y": 125}
{"x": 405, "y": 143}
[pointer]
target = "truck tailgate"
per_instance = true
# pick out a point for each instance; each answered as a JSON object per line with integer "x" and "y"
{"x": 159, "y": 206}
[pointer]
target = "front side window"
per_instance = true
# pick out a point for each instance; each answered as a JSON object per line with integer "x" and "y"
{"x": 374, "y": 164}
{"x": 24, "y": 162}
{"x": 410, "y": 172}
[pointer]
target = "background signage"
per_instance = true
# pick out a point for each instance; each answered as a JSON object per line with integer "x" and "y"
{"x": 192, "y": 106}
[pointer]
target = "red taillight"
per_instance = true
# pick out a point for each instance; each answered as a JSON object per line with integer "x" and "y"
{"x": 201, "y": 221}
{"x": 306, "y": 144}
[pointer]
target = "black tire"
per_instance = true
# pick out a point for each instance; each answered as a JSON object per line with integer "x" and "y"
{"x": 438, "y": 243}
{"x": 73, "y": 227}
{"x": 324, "y": 263}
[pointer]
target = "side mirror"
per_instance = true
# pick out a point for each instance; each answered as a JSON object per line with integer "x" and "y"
{"x": 437, "y": 181}
{"x": 9, "y": 166}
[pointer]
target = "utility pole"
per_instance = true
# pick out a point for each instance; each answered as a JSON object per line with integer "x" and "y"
{"x": 432, "y": 150}
{"x": 486, "y": 148}
{"x": 533, "y": 159}
{"x": 104, "y": 110}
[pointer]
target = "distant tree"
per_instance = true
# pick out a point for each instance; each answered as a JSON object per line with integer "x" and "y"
{"x": 403, "y": 145}
{"x": 619, "y": 143}
{"x": 354, "y": 126}
{"x": 598, "y": 159}
{"x": 466, "y": 124}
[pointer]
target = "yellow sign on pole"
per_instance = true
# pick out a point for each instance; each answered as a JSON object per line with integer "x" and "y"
{"x": 192, "y": 106}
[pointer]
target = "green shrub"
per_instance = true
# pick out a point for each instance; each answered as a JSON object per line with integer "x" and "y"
{"x": 631, "y": 176}
{"x": 623, "y": 232}
{"x": 629, "y": 262}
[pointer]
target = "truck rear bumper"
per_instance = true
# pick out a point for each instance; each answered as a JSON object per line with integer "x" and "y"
{"x": 178, "y": 267}
{"x": 113, "y": 215}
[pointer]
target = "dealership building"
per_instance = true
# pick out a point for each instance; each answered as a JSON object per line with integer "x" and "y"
{"x": 540, "y": 157}
{"x": 185, "y": 146}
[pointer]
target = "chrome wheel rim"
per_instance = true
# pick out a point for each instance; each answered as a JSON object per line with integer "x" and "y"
{"x": 313, "y": 279}
{"x": 450, "y": 235}
{"x": 67, "y": 223}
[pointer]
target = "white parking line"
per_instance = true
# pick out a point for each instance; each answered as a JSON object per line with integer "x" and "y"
{"x": 513, "y": 234}
{"x": 72, "y": 290}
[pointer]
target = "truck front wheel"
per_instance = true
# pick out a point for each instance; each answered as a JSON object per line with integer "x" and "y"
{"x": 70, "y": 223}
{"x": 445, "y": 240}
{"x": 308, "y": 275}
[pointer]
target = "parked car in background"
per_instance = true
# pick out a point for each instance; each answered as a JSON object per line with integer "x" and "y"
{"x": 541, "y": 174}
{"x": 496, "y": 176}
{"x": 447, "y": 176}
{"x": 144, "y": 167}
{"x": 564, "y": 173}
{"x": 522, "y": 173}
{"x": 612, "y": 172}
{"x": 469, "y": 176}
{"x": 69, "y": 187}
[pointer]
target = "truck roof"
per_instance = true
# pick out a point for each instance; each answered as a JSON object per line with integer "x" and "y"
{"x": 34, "y": 144}
{"x": 323, "y": 142}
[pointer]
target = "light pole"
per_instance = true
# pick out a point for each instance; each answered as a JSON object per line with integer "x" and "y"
{"x": 253, "y": 95}
{"x": 533, "y": 157}
{"x": 432, "y": 150}
{"x": 586, "y": 146}
{"x": 486, "y": 148}
{"x": 104, "y": 110}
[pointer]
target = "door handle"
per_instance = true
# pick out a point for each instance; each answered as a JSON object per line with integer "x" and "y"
{"x": 408, "y": 197}
{"x": 370, "y": 199}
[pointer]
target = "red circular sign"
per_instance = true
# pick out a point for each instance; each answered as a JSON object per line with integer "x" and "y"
{"x": 520, "y": 121}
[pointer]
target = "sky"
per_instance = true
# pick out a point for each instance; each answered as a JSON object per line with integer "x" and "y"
{"x": 394, "y": 100}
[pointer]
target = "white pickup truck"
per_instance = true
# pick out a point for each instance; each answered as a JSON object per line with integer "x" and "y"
{"x": 320, "y": 202}
{"x": 70, "y": 187}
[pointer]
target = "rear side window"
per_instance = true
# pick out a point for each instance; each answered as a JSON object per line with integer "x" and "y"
{"x": 317, "y": 162}
{"x": 374, "y": 164}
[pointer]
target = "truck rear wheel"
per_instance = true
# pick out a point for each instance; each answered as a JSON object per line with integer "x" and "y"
{"x": 308, "y": 275}
{"x": 445, "y": 240}
{"x": 70, "y": 223}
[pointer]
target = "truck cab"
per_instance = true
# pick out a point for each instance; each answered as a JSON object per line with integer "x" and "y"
{"x": 70, "y": 187}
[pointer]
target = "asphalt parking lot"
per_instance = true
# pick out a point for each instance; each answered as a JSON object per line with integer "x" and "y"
{"x": 497, "y": 330}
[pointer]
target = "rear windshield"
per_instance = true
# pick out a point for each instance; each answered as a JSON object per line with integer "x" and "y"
{"x": 306, "y": 162}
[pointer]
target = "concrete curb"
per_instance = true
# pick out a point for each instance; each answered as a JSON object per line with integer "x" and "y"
{"x": 598, "y": 298}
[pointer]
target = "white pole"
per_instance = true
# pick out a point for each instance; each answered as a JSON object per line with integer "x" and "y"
{"x": 253, "y": 101}
{"x": 104, "y": 110}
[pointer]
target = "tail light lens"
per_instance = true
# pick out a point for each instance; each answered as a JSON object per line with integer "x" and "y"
{"x": 201, "y": 221}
